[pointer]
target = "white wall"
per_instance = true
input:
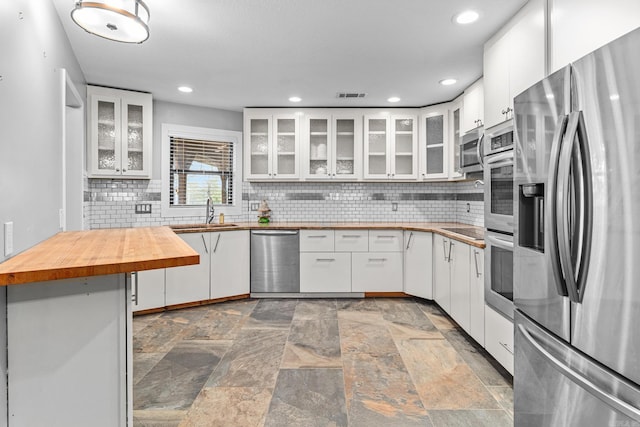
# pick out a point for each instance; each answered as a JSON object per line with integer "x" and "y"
{"x": 33, "y": 47}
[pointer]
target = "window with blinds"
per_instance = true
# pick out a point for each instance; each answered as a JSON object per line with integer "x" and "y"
{"x": 200, "y": 169}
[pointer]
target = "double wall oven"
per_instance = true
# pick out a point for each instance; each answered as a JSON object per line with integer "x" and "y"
{"x": 498, "y": 219}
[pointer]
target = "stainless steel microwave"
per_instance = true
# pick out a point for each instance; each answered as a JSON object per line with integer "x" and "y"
{"x": 471, "y": 147}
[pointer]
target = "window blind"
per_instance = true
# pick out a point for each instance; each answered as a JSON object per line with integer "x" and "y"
{"x": 200, "y": 169}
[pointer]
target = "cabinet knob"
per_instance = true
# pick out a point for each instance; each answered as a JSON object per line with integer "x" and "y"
{"x": 124, "y": 170}
{"x": 117, "y": 170}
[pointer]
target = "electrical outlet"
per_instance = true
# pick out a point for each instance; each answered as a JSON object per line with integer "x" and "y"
{"x": 394, "y": 207}
{"x": 143, "y": 208}
{"x": 61, "y": 219}
{"x": 254, "y": 206}
{"x": 468, "y": 207}
{"x": 8, "y": 238}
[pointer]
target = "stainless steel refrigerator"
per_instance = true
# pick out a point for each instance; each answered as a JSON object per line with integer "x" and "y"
{"x": 577, "y": 243}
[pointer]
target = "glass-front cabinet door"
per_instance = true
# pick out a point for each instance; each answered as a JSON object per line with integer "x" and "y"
{"x": 332, "y": 145}
{"x": 456, "y": 125}
{"x": 404, "y": 144}
{"x": 433, "y": 143}
{"x": 271, "y": 146}
{"x": 376, "y": 147}
{"x": 120, "y": 140}
{"x": 285, "y": 147}
{"x": 258, "y": 140}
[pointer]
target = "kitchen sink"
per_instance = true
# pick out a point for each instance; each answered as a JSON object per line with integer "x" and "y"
{"x": 468, "y": 232}
{"x": 202, "y": 226}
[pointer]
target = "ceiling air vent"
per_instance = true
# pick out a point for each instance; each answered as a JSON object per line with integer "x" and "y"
{"x": 347, "y": 95}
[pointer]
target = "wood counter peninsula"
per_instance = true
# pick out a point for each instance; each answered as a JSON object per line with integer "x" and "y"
{"x": 68, "y": 324}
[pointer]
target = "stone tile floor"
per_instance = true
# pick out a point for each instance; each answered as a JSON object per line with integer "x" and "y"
{"x": 314, "y": 362}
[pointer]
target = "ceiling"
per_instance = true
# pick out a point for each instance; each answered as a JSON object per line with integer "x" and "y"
{"x": 258, "y": 53}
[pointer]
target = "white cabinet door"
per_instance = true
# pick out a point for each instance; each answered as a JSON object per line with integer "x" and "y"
{"x": 499, "y": 338}
{"x": 456, "y": 133}
{"x": 351, "y": 240}
{"x": 316, "y": 241}
{"x": 346, "y": 151}
{"x": 325, "y": 272}
{"x": 230, "y": 266}
{"x": 418, "y": 270}
{"x": 376, "y": 147}
{"x": 376, "y": 272}
{"x": 571, "y": 39}
{"x": 459, "y": 263}
{"x": 285, "y": 146}
{"x": 257, "y": 146}
{"x": 496, "y": 81}
{"x": 148, "y": 289}
{"x": 476, "y": 295}
{"x": 385, "y": 241}
{"x": 119, "y": 124}
{"x": 434, "y": 142}
{"x": 473, "y": 107}
{"x": 317, "y": 147}
{"x": 404, "y": 147}
{"x": 441, "y": 272}
{"x": 190, "y": 283}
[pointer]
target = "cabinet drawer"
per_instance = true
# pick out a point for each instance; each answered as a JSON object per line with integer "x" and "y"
{"x": 352, "y": 240}
{"x": 499, "y": 337}
{"x": 316, "y": 241}
{"x": 385, "y": 241}
{"x": 325, "y": 272}
{"x": 376, "y": 272}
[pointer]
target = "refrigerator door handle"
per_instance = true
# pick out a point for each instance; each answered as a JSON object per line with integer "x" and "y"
{"x": 550, "y": 213}
{"x": 575, "y": 276}
{"x": 591, "y": 388}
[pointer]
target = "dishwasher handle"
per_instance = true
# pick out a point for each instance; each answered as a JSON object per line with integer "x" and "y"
{"x": 275, "y": 232}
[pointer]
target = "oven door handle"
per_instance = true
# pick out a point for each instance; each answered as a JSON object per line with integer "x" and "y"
{"x": 500, "y": 243}
{"x": 480, "y": 151}
{"x": 496, "y": 160}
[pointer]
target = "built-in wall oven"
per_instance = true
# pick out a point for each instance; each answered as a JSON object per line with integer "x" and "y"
{"x": 471, "y": 148}
{"x": 498, "y": 284}
{"x": 498, "y": 218}
{"x": 498, "y": 179}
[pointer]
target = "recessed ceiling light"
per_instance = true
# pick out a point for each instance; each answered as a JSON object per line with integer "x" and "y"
{"x": 185, "y": 89}
{"x": 295, "y": 99}
{"x": 394, "y": 99}
{"x": 448, "y": 82}
{"x": 614, "y": 97}
{"x": 466, "y": 17}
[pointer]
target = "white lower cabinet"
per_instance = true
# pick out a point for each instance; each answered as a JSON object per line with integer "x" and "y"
{"x": 230, "y": 264}
{"x": 498, "y": 338}
{"x": 476, "y": 295}
{"x": 376, "y": 272}
{"x": 418, "y": 266}
{"x": 441, "y": 272}
{"x": 459, "y": 262}
{"x": 148, "y": 289}
{"x": 190, "y": 283}
{"x": 325, "y": 272}
{"x": 351, "y": 240}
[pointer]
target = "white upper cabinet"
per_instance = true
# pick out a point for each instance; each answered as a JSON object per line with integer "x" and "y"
{"x": 514, "y": 59}
{"x": 579, "y": 27}
{"x": 390, "y": 146}
{"x": 119, "y": 133}
{"x": 332, "y": 146}
{"x": 455, "y": 117}
{"x": 434, "y": 142}
{"x": 271, "y": 146}
{"x": 473, "y": 107}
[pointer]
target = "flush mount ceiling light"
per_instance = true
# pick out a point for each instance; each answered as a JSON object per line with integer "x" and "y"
{"x": 295, "y": 99}
{"x": 466, "y": 17}
{"x": 448, "y": 82}
{"x": 185, "y": 89}
{"x": 120, "y": 20}
{"x": 393, "y": 99}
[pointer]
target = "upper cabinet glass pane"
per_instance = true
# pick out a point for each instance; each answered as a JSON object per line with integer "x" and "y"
{"x": 135, "y": 158}
{"x": 318, "y": 147}
{"x": 106, "y": 135}
{"x": 435, "y": 130}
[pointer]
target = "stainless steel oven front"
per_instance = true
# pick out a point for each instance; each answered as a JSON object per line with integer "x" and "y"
{"x": 498, "y": 279}
{"x": 498, "y": 192}
{"x": 471, "y": 147}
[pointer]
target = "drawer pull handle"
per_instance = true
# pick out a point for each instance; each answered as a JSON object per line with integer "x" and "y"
{"x": 386, "y": 237}
{"x": 377, "y": 259}
{"x": 317, "y": 236}
{"x": 325, "y": 259}
{"x": 351, "y": 236}
{"x": 506, "y": 347}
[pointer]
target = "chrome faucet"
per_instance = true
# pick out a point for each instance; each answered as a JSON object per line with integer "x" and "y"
{"x": 210, "y": 215}
{"x": 478, "y": 183}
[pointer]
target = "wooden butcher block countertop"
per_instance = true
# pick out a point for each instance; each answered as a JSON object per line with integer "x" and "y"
{"x": 98, "y": 252}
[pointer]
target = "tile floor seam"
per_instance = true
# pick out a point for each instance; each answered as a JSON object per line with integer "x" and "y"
{"x": 344, "y": 383}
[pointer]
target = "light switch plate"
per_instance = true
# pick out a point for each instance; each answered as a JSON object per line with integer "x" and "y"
{"x": 8, "y": 238}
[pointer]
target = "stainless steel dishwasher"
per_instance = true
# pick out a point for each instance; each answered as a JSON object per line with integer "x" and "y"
{"x": 275, "y": 261}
